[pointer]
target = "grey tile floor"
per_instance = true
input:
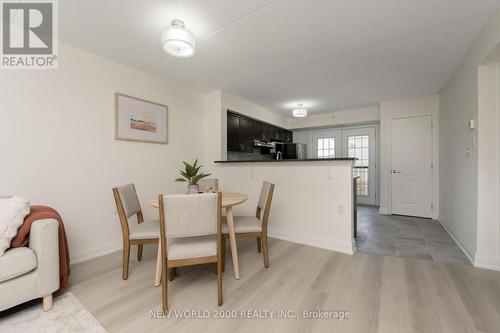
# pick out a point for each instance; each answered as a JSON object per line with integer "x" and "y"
{"x": 405, "y": 236}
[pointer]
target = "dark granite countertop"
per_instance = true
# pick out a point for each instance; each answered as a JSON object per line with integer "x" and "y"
{"x": 281, "y": 161}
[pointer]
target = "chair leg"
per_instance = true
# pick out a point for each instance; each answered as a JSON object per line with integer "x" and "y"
{"x": 171, "y": 274}
{"x": 139, "y": 252}
{"x": 223, "y": 253}
{"x": 126, "y": 257}
{"x": 265, "y": 251}
{"x": 164, "y": 286}
{"x": 219, "y": 282}
{"x": 47, "y": 302}
{"x": 177, "y": 271}
{"x": 259, "y": 249}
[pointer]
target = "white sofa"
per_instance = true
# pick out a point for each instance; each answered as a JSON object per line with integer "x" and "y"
{"x": 31, "y": 272}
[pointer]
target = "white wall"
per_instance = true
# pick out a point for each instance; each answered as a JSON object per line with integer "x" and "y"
{"x": 422, "y": 106}
{"x": 459, "y": 174}
{"x": 58, "y": 149}
{"x": 488, "y": 143}
{"x": 344, "y": 117}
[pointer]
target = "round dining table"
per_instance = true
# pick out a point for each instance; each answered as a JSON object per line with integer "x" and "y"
{"x": 229, "y": 199}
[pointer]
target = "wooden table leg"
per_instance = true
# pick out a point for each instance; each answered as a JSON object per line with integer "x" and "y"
{"x": 158, "y": 267}
{"x": 232, "y": 241}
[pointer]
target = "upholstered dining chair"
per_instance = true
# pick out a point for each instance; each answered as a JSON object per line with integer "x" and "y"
{"x": 208, "y": 185}
{"x": 253, "y": 226}
{"x": 190, "y": 234}
{"x": 138, "y": 232}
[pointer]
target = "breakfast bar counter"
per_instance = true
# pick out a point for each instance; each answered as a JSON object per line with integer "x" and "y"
{"x": 289, "y": 160}
{"x": 312, "y": 201}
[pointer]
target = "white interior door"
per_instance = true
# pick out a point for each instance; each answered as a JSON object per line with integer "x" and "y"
{"x": 361, "y": 144}
{"x": 327, "y": 143}
{"x": 412, "y": 166}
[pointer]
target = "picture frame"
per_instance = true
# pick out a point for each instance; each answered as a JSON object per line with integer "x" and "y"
{"x": 140, "y": 120}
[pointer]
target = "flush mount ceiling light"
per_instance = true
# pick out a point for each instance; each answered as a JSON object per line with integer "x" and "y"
{"x": 300, "y": 112}
{"x": 178, "y": 41}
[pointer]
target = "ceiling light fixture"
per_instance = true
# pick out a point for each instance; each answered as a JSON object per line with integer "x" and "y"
{"x": 178, "y": 41}
{"x": 300, "y": 112}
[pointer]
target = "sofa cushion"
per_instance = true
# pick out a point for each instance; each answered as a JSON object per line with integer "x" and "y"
{"x": 15, "y": 262}
{"x": 13, "y": 210}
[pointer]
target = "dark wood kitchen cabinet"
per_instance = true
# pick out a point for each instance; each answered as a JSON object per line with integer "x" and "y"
{"x": 246, "y": 135}
{"x": 242, "y": 131}
{"x": 258, "y": 131}
{"x": 233, "y": 132}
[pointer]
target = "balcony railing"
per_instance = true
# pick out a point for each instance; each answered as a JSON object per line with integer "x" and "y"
{"x": 362, "y": 173}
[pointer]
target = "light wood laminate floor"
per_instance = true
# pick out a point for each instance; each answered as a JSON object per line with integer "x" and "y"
{"x": 382, "y": 293}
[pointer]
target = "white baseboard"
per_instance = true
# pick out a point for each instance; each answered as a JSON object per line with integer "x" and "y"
{"x": 322, "y": 243}
{"x": 459, "y": 239}
{"x": 492, "y": 263}
{"x": 384, "y": 211}
{"x": 87, "y": 255}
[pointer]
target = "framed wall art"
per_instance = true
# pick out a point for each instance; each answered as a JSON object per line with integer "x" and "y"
{"x": 140, "y": 120}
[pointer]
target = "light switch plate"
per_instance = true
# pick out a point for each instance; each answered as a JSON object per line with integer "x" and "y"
{"x": 467, "y": 152}
{"x": 472, "y": 123}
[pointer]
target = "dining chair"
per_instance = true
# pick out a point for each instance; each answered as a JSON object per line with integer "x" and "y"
{"x": 190, "y": 234}
{"x": 138, "y": 232}
{"x": 208, "y": 185}
{"x": 253, "y": 226}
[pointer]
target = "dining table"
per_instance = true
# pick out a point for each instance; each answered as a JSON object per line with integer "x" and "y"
{"x": 229, "y": 200}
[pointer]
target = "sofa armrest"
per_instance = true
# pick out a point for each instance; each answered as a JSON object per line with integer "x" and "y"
{"x": 44, "y": 241}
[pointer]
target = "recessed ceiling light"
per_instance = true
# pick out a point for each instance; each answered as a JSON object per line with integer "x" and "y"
{"x": 178, "y": 41}
{"x": 299, "y": 112}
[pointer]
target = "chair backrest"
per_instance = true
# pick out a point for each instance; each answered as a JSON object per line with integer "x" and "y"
{"x": 264, "y": 204}
{"x": 186, "y": 215}
{"x": 128, "y": 199}
{"x": 209, "y": 184}
{"x": 127, "y": 205}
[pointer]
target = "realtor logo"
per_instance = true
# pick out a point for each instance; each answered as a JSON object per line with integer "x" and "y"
{"x": 29, "y": 34}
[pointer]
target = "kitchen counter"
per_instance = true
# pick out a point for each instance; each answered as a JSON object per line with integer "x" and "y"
{"x": 278, "y": 161}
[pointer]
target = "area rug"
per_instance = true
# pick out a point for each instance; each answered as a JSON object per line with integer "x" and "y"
{"x": 67, "y": 315}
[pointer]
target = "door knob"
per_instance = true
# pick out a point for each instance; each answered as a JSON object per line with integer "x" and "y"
{"x": 395, "y": 171}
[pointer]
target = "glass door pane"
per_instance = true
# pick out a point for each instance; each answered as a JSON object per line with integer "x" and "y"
{"x": 358, "y": 147}
{"x": 327, "y": 143}
{"x": 360, "y": 144}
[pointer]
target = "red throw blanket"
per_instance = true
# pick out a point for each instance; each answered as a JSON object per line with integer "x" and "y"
{"x": 22, "y": 238}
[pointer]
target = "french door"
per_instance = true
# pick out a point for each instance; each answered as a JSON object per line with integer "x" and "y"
{"x": 356, "y": 142}
{"x": 361, "y": 144}
{"x": 327, "y": 143}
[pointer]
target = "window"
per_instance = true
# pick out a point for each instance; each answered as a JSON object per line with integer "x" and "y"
{"x": 326, "y": 147}
{"x": 358, "y": 146}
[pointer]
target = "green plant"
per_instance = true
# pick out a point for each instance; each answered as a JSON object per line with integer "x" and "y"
{"x": 191, "y": 173}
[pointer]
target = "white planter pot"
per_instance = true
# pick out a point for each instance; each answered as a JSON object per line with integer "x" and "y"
{"x": 193, "y": 189}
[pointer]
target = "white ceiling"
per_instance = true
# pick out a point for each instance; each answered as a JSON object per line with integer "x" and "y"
{"x": 328, "y": 54}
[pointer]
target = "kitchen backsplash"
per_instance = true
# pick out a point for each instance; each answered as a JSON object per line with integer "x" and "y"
{"x": 256, "y": 155}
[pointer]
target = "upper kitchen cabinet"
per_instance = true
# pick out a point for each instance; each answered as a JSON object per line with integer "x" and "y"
{"x": 242, "y": 131}
{"x": 233, "y": 132}
{"x": 258, "y": 131}
{"x": 246, "y": 134}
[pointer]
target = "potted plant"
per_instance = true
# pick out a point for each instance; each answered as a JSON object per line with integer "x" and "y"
{"x": 192, "y": 175}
